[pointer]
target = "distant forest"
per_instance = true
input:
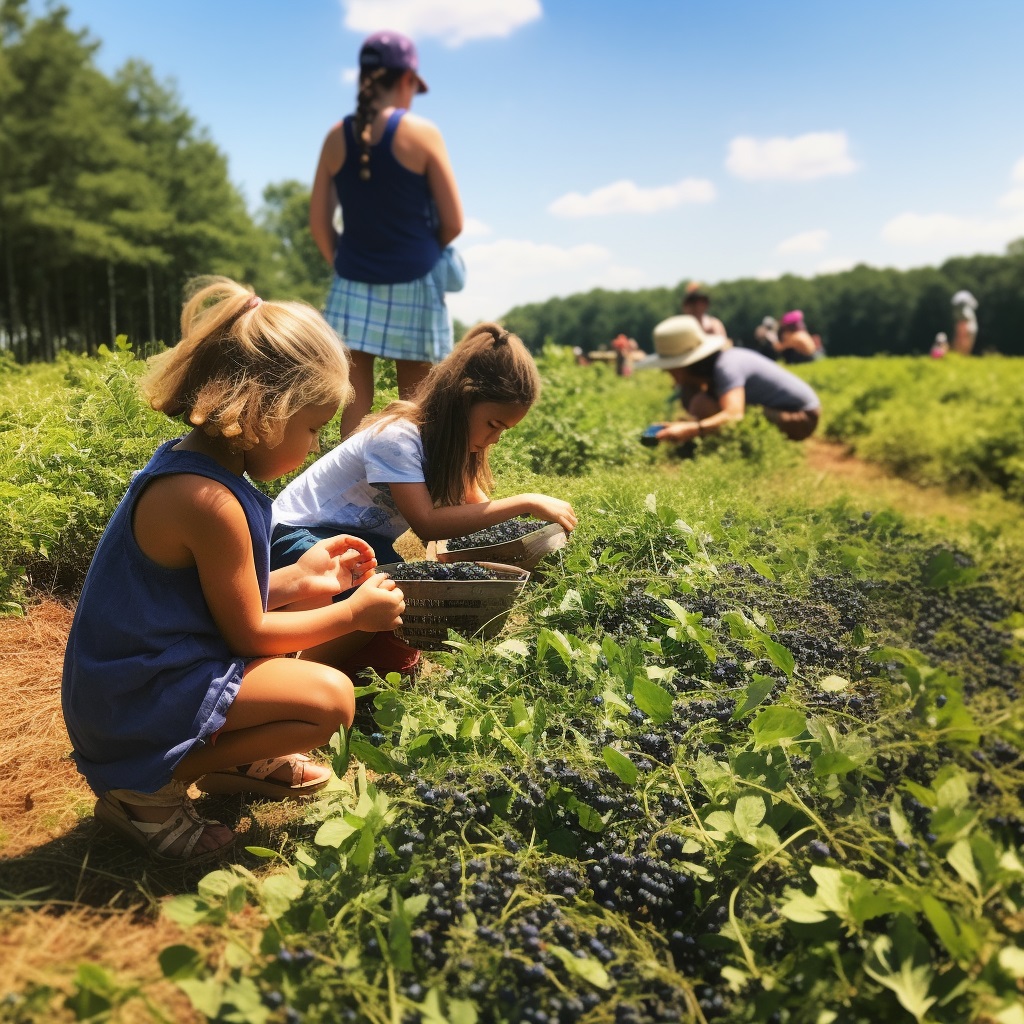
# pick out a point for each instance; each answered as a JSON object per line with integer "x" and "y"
{"x": 111, "y": 198}
{"x": 859, "y": 312}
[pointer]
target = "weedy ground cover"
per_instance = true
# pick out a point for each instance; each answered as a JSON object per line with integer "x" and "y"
{"x": 740, "y": 755}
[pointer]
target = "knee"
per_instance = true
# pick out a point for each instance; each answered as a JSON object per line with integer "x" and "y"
{"x": 335, "y": 702}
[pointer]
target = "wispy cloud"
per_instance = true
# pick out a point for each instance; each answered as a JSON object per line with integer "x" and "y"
{"x": 473, "y": 227}
{"x": 922, "y": 229}
{"x": 1017, "y": 174}
{"x": 509, "y": 272}
{"x": 453, "y": 22}
{"x": 806, "y": 241}
{"x": 835, "y": 266}
{"x": 628, "y": 197}
{"x": 349, "y": 76}
{"x": 802, "y": 158}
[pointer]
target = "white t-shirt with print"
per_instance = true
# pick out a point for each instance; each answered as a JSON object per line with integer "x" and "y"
{"x": 348, "y": 487}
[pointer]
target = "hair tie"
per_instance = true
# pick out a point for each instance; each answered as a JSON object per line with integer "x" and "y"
{"x": 252, "y": 303}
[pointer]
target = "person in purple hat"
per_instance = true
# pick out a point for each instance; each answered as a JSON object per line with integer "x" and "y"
{"x": 390, "y": 173}
{"x": 795, "y": 343}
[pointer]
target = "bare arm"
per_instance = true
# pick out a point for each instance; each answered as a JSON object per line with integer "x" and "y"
{"x": 185, "y": 520}
{"x": 733, "y": 406}
{"x": 323, "y": 199}
{"x": 430, "y": 523}
{"x": 441, "y": 179}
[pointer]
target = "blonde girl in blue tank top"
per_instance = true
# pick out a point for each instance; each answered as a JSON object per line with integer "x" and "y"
{"x": 175, "y": 670}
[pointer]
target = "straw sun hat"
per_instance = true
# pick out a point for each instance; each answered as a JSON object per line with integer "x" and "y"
{"x": 679, "y": 341}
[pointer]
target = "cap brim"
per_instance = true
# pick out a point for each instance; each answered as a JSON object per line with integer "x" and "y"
{"x": 421, "y": 86}
{"x": 702, "y": 351}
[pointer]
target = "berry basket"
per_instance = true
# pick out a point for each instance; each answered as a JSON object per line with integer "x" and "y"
{"x": 476, "y": 608}
{"x": 525, "y": 552}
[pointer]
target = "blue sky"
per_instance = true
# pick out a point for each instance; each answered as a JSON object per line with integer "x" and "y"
{"x": 630, "y": 145}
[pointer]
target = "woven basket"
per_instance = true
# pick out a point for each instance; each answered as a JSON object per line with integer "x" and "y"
{"x": 526, "y": 552}
{"x": 474, "y": 608}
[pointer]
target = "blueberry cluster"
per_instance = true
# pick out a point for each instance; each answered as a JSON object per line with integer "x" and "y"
{"x": 501, "y": 533}
{"x": 445, "y": 572}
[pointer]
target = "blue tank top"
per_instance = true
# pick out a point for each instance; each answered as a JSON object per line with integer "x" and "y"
{"x": 390, "y": 221}
{"x": 147, "y": 673}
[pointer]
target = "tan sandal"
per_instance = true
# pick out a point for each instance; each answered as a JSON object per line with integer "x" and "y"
{"x": 113, "y": 809}
{"x": 255, "y": 778}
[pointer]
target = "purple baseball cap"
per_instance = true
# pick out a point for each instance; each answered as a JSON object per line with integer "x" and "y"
{"x": 388, "y": 49}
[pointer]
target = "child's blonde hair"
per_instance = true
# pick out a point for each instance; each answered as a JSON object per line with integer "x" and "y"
{"x": 488, "y": 365}
{"x": 244, "y": 366}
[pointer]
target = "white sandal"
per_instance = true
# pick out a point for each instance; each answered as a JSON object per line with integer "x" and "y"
{"x": 113, "y": 809}
{"x": 255, "y": 778}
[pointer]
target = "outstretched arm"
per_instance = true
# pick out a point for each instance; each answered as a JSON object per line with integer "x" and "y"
{"x": 440, "y": 523}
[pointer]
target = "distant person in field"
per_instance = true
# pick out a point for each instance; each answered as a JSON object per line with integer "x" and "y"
{"x": 716, "y": 384}
{"x": 696, "y": 302}
{"x": 175, "y": 669}
{"x": 389, "y": 171}
{"x": 795, "y": 343}
{"x": 623, "y": 355}
{"x": 940, "y": 346}
{"x": 766, "y": 337}
{"x": 965, "y": 322}
{"x": 420, "y": 464}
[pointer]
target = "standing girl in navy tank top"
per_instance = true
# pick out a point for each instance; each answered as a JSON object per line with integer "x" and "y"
{"x": 174, "y": 670}
{"x": 389, "y": 171}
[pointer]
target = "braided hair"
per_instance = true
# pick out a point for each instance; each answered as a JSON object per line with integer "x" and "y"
{"x": 372, "y": 82}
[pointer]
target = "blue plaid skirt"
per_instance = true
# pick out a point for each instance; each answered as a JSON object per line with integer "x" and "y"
{"x": 397, "y": 321}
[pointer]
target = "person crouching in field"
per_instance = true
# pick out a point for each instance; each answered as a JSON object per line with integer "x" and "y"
{"x": 716, "y": 384}
{"x": 175, "y": 669}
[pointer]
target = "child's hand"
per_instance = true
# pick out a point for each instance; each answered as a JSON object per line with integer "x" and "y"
{"x": 553, "y": 510}
{"x": 377, "y": 605}
{"x": 336, "y": 564}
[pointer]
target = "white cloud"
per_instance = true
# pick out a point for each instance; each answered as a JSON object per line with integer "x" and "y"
{"x": 349, "y": 76}
{"x": 473, "y": 227}
{"x": 1013, "y": 200}
{"x": 1017, "y": 174}
{"x": 955, "y": 233}
{"x": 509, "y": 272}
{"x": 453, "y": 22}
{"x": 628, "y": 197}
{"x": 835, "y": 266}
{"x": 803, "y": 158}
{"x": 806, "y": 241}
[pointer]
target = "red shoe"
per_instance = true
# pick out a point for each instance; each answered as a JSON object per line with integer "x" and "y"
{"x": 384, "y": 653}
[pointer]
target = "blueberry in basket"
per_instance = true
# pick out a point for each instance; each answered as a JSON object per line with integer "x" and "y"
{"x": 447, "y": 572}
{"x": 501, "y": 533}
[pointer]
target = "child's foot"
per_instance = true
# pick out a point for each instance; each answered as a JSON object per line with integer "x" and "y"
{"x": 277, "y": 778}
{"x": 164, "y": 823}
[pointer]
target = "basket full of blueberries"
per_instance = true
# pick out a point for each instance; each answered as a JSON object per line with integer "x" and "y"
{"x": 523, "y": 542}
{"x": 471, "y": 597}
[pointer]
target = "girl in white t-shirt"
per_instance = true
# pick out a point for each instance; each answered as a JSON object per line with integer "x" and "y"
{"x": 421, "y": 464}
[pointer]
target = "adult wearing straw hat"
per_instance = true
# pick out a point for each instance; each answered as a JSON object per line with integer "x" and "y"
{"x": 965, "y": 322}
{"x": 716, "y": 384}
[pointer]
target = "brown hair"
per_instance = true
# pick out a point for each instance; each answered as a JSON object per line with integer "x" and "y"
{"x": 372, "y": 82}
{"x": 244, "y": 366}
{"x": 488, "y": 365}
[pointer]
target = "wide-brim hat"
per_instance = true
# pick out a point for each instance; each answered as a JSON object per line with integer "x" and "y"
{"x": 680, "y": 341}
{"x": 965, "y": 298}
{"x": 389, "y": 49}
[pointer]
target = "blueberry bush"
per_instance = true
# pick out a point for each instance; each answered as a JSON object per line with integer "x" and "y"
{"x": 741, "y": 755}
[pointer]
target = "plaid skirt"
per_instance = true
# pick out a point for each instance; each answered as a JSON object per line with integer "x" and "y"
{"x": 398, "y": 321}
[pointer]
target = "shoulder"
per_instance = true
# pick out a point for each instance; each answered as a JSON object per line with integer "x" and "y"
{"x": 419, "y": 128}
{"x": 190, "y": 493}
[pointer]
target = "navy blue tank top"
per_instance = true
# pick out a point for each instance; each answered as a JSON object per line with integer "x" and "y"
{"x": 390, "y": 221}
{"x": 147, "y": 673}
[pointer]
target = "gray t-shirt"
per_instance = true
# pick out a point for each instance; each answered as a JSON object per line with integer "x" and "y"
{"x": 765, "y": 382}
{"x": 349, "y": 486}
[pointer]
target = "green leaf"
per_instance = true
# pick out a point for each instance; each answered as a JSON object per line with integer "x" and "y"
{"x": 334, "y": 832}
{"x": 188, "y": 911}
{"x": 205, "y": 994}
{"x": 553, "y": 640}
{"x": 621, "y": 765}
{"x": 834, "y": 762}
{"x": 833, "y": 684}
{"x": 777, "y": 723}
{"x": 748, "y": 814}
{"x": 180, "y": 962}
{"x": 400, "y": 933}
{"x": 376, "y": 760}
{"x": 588, "y": 816}
{"x": 279, "y": 891}
{"x": 962, "y": 861}
{"x": 761, "y": 566}
{"x": 894, "y": 967}
{"x": 262, "y": 852}
{"x": 753, "y": 696}
{"x": 652, "y": 699}
{"x": 582, "y": 967}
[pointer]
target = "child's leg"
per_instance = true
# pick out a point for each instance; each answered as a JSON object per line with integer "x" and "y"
{"x": 283, "y": 705}
{"x": 361, "y": 378}
{"x": 409, "y": 374}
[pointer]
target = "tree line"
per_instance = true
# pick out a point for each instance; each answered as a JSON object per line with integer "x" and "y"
{"x": 863, "y": 311}
{"x": 111, "y": 198}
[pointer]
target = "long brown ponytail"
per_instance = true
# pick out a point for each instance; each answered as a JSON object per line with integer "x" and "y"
{"x": 372, "y": 82}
